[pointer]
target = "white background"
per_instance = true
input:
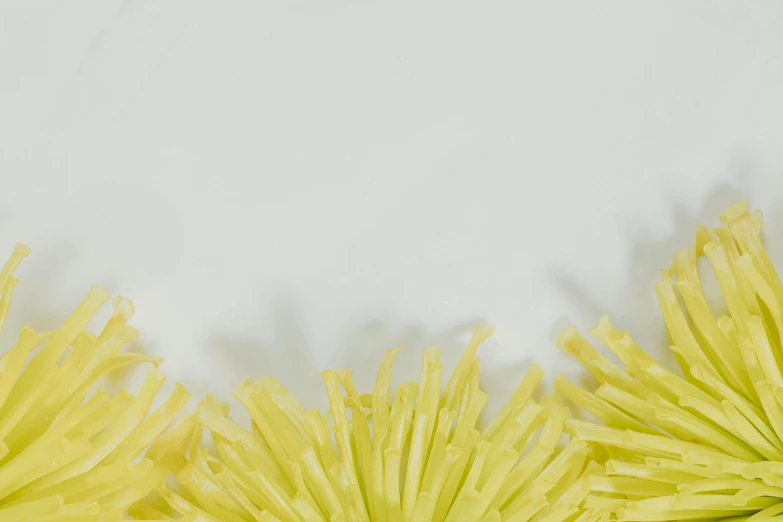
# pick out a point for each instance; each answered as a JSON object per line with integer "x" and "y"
{"x": 283, "y": 187}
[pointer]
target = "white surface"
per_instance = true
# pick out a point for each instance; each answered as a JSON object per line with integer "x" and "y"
{"x": 287, "y": 186}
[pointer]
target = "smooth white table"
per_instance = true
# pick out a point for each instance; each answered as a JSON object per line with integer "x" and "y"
{"x": 283, "y": 187}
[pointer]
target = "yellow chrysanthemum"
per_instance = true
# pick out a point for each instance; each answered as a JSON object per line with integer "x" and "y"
{"x": 69, "y": 452}
{"x": 707, "y": 445}
{"x": 415, "y": 457}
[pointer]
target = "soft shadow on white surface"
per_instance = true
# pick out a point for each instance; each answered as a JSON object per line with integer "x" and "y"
{"x": 636, "y": 308}
{"x": 287, "y": 354}
{"x": 287, "y": 357}
{"x": 290, "y": 357}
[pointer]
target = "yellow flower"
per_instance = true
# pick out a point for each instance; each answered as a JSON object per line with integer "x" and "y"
{"x": 68, "y": 452}
{"x": 706, "y": 443}
{"x": 415, "y": 455}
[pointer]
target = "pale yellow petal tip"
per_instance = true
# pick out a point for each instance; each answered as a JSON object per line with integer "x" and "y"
{"x": 708, "y": 248}
{"x": 393, "y": 352}
{"x": 330, "y": 374}
{"x": 668, "y": 274}
{"x": 156, "y": 376}
{"x": 21, "y": 249}
{"x": 131, "y": 333}
{"x": 565, "y": 340}
{"x": 605, "y": 331}
{"x": 180, "y": 389}
{"x": 735, "y": 212}
{"x": 703, "y": 238}
{"x": 214, "y": 404}
{"x": 482, "y": 332}
{"x": 123, "y": 306}
{"x": 267, "y": 382}
{"x": 681, "y": 257}
{"x": 535, "y": 370}
{"x": 98, "y": 293}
